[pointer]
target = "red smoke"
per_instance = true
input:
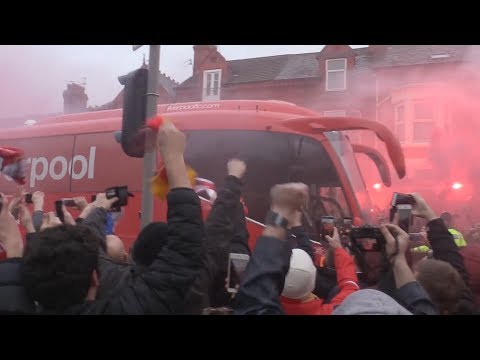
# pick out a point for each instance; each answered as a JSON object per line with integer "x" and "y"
{"x": 453, "y": 153}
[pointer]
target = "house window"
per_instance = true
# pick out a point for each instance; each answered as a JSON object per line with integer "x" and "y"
{"x": 400, "y": 123}
{"x": 211, "y": 85}
{"x": 423, "y": 122}
{"x": 336, "y": 75}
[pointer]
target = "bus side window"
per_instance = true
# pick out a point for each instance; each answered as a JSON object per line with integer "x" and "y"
{"x": 272, "y": 158}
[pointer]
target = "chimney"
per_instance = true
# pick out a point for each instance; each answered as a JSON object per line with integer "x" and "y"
{"x": 74, "y": 99}
{"x": 201, "y": 53}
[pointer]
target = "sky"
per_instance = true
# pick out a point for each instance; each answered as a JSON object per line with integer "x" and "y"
{"x": 35, "y": 76}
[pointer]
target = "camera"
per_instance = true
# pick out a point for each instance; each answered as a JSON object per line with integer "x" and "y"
{"x": 367, "y": 239}
{"x": 120, "y": 192}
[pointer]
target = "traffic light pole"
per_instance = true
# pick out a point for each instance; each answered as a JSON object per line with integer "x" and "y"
{"x": 149, "y": 164}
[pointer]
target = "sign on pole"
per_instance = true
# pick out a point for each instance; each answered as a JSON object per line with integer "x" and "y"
{"x": 136, "y": 47}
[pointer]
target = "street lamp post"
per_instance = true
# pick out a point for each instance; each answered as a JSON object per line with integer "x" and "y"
{"x": 149, "y": 164}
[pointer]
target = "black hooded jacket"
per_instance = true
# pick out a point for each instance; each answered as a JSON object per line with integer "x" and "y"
{"x": 162, "y": 287}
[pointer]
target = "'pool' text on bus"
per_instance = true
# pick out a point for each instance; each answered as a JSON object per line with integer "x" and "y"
{"x": 57, "y": 168}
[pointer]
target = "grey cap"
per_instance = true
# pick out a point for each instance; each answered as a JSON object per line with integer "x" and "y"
{"x": 370, "y": 302}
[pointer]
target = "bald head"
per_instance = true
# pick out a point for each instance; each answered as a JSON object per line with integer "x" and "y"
{"x": 116, "y": 249}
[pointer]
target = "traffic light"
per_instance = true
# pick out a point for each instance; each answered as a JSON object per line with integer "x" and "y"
{"x": 134, "y": 112}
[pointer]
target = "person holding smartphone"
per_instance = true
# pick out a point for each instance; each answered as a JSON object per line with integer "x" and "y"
{"x": 297, "y": 297}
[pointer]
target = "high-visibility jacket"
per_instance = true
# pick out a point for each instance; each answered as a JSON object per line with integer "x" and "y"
{"x": 421, "y": 248}
{"x": 458, "y": 237}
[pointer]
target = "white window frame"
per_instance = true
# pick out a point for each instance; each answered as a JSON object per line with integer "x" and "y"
{"x": 327, "y": 72}
{"x": 205, "y": 84}
{"x": 416, "y": 120}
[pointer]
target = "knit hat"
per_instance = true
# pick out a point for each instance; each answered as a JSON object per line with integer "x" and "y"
{"x": 370, "y": 302}
{"x": 300, "y": 280}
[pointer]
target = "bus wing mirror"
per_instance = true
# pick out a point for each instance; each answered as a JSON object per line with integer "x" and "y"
{"x": 134, "y": 112}
{"x": 379, "y": 161}
{"x": 316, "y": 124}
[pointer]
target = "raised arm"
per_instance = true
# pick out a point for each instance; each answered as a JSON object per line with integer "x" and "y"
{"x": 164, "y": 287}
{"x": 259, "y": 294}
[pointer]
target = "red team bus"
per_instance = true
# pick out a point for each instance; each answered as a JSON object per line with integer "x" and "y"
{"x": 77, "y": 155}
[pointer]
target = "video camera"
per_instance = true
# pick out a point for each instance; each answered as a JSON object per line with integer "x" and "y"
{"x": 120, "y": 192}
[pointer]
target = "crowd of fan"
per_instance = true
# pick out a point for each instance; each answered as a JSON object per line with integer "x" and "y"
{"x": 180, "y": 267}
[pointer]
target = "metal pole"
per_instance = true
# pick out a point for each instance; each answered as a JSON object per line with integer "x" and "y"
{"x": 149, "y": 164}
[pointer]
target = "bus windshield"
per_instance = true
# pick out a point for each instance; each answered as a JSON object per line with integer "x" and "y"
{"x": 272, "y": 158}
{"x": 345, "y": 153}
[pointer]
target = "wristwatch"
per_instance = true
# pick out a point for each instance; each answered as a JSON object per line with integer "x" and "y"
{"x": 277, "y": 220}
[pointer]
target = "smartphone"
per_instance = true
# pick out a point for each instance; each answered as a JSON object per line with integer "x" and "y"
{"x": 402, "y": 199}
{"x": 345, "y": 231}
{"x": 120, "y": 192}
{"x": 404, "y": 212}
{"x": 28, "y": 199}
{"x": 237, "y": 264}
{"x": 59, "y": 210}
{"x": 69, "y": 202}
{"x": 328, "y": 223}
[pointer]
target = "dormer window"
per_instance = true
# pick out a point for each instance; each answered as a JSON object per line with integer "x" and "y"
{"x": 336, "y": 70}
{"x": 211, "y": 85}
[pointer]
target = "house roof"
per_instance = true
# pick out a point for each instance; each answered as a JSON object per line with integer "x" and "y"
{"x": 278, "y": 67}
{"x": 403, "y": 55}
{"x": 167, "y": 83}
{"x": 303, "y": 66}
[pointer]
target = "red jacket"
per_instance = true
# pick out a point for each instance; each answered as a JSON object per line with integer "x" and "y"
{"x": 347, "y": 282}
